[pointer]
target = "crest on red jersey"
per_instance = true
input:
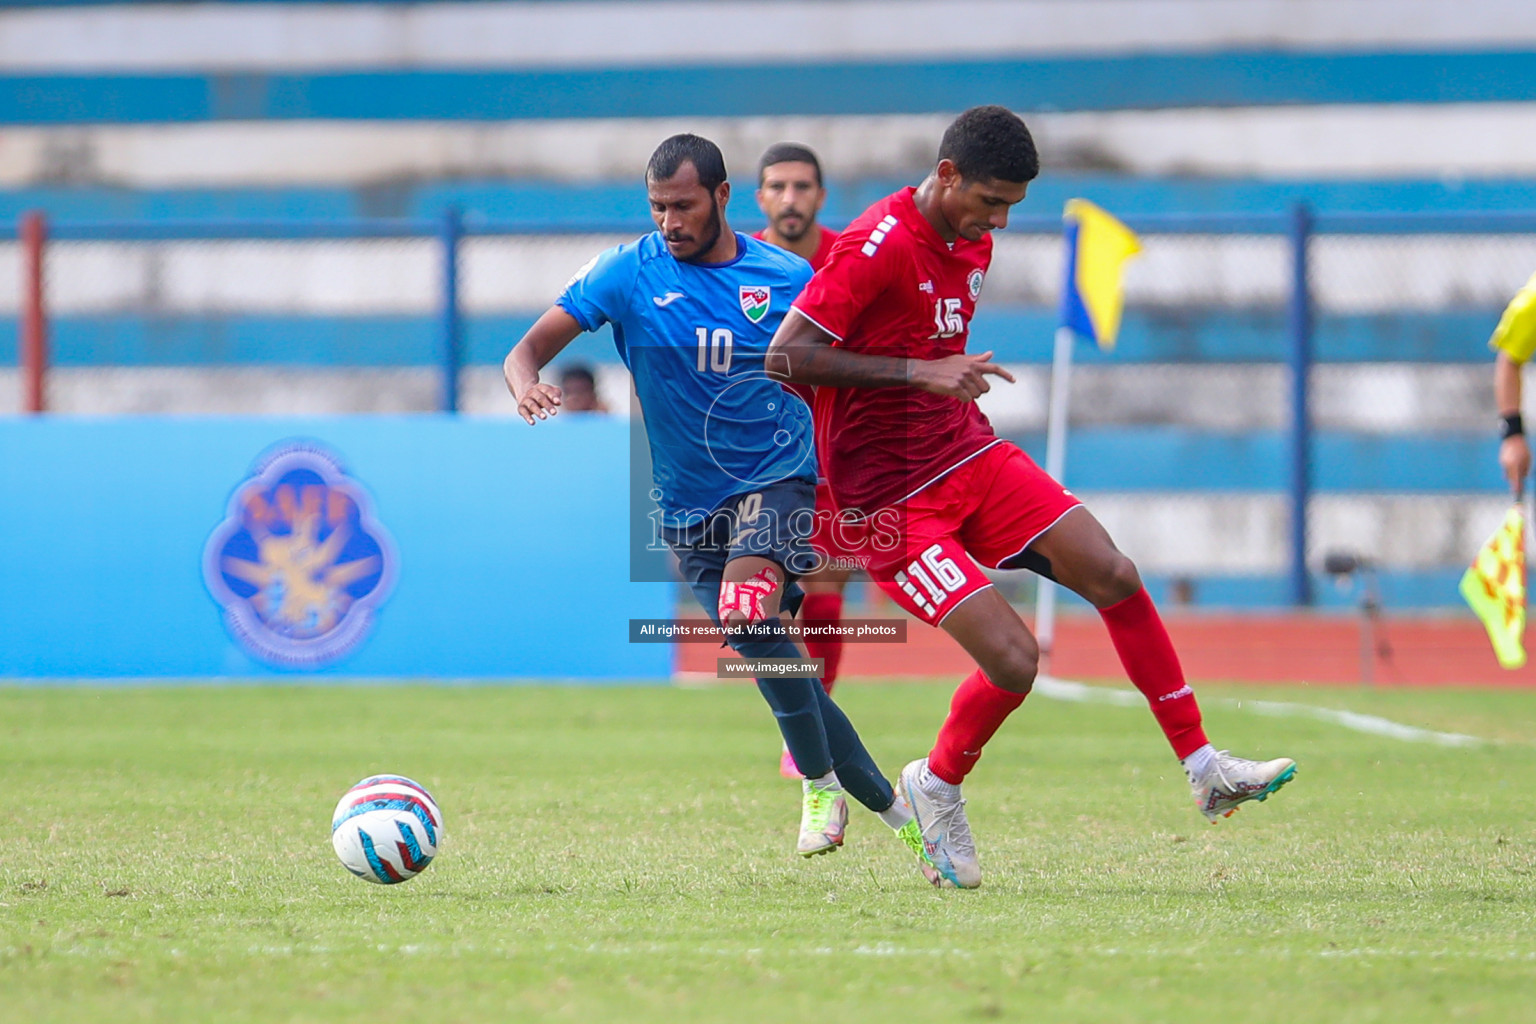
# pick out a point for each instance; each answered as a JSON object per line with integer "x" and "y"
{"x": 974, "y": 284}
{"x": 755, "y": 300}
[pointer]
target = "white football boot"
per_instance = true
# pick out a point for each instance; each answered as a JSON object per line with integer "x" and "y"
{"x": 1230, "y": 781}
{"x": 823, "y": 819}
{"x": 946, "y": 833}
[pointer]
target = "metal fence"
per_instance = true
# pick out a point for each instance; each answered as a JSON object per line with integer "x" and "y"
{"x": 1284, "y": 388}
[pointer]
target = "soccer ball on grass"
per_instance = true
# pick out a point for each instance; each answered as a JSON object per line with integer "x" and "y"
{"x": 386, "y": 829}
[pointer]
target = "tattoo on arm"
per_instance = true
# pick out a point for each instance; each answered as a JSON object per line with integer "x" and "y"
{"x": 802, "y": 352}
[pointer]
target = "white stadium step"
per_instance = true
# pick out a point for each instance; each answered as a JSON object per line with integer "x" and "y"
{"x": 241, "y": 37}
{"x": 1333, "y": 142}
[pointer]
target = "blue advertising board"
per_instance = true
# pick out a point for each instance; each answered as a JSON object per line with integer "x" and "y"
{"x": 365, "y": 546}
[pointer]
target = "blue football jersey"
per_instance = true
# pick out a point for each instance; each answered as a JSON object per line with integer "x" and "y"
{"x": 694, "y": 336}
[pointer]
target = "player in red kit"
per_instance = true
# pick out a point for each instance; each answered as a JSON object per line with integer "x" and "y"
{"x": 881, "y": 332}
{"x": 790, "y": 193}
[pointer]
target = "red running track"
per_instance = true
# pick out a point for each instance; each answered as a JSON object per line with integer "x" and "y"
{"x": 1287, "y": 648}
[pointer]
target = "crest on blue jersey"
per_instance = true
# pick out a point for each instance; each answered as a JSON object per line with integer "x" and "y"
{"x": 755, "y": 300}
{"x": 299, "y": 563}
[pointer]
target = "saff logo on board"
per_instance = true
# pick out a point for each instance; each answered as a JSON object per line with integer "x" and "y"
{"x": 754, "y": 301}
{"x": 299, "y": 564}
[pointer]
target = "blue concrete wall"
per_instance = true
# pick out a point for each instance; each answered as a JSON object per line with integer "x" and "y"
{"x": 1121, "y": 82}
{"x": 564, "y": 207}
{"x": 502, "y": 548}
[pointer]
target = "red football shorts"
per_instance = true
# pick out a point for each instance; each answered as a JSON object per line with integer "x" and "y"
{"x": 924, "y": 551}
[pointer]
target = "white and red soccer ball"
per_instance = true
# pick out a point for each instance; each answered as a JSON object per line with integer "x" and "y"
{"x": 386, "y": 829}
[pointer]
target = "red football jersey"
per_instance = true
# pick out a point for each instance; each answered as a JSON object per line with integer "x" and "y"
{"x": 806, "y": 392}
{"x": 894, "y": 287}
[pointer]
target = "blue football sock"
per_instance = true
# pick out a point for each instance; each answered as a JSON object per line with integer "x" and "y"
{"x": 794, "y": 701}
{"x": 855, "y": 768}
{"x": 812, "y": 723}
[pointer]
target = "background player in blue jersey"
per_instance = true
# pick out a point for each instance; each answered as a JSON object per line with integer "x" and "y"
{"x": 693, "y": 307}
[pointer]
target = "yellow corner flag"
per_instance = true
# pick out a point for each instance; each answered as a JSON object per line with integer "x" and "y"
{"x": 1097, "y": 247}
{"x": 1495, "y": 588}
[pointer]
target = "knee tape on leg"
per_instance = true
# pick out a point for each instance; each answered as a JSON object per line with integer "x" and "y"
{"x": 749, "y": 597}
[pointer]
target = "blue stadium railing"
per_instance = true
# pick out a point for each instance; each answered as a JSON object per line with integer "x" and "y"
{"x": 1334, "y": 462}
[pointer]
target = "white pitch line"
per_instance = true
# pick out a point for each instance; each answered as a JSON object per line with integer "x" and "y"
{"x": 1375, "y": 725}
{"x": 879, "y": 949}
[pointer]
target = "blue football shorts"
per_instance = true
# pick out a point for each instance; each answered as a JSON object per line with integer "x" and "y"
{"x": 773, "y": 522}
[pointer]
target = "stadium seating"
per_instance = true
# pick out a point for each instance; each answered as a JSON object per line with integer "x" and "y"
{"x": 537, "y": 127}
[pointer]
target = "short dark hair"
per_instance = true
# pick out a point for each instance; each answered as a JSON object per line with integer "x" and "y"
{"x": 787, "y": 152}
{"x": 991, "y": 142}
{"x": 580, "y": 371}
{"x": 693, "y": 149}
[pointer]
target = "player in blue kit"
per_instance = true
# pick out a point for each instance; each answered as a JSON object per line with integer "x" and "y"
{"x": 693, "y": 306}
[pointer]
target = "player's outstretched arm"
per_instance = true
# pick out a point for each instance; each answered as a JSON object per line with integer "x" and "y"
{"x": 804, "y": 353}
{"x": 544, "y": 340}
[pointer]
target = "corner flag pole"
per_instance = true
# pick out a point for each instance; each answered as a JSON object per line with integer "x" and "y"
{"x": 1097, "y": 245}
{"x": 1055, "y": 464}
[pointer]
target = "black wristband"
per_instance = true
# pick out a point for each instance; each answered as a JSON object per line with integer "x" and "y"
{"x": 1511, "y": 426}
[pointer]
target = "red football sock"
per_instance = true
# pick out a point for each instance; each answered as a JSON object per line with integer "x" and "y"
{"x": 824, "y": 610}
{"x": 975, "y": 712}
{"x": 1149, "y": 659}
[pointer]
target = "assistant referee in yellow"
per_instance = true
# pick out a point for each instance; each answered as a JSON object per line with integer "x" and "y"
{"x": 1515, "y": 341}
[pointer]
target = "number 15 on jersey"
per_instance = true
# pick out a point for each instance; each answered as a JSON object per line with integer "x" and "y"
{"x": 948, "y": 321}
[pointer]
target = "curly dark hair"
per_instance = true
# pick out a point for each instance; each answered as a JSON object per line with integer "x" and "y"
{"x": 991, "y": 142}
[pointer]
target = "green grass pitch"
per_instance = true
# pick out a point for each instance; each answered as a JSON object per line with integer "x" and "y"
{"x": 625, "y": 854}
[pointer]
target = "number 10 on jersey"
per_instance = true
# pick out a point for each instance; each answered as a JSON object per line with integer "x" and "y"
{"x": 714, "y": 349}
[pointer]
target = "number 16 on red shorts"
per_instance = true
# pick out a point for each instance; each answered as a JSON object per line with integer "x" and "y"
{"x": 924, "y": 551}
